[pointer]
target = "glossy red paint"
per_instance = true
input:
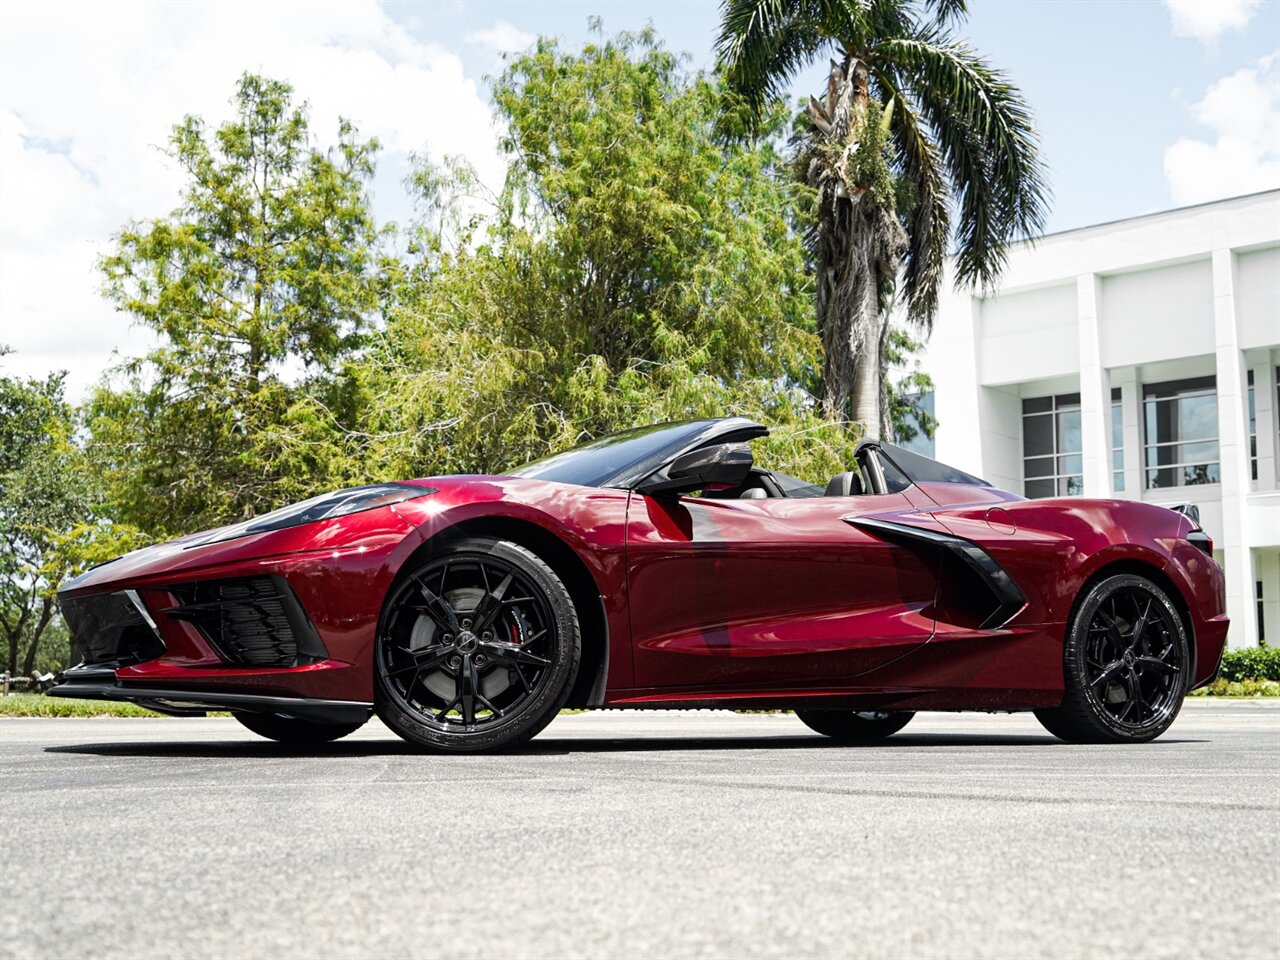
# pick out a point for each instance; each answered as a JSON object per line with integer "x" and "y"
{"x": 727, "y": 592}
{"x": 767, "y": 602}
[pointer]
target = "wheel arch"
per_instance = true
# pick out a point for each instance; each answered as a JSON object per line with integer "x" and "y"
{"x": 584, "y": 591}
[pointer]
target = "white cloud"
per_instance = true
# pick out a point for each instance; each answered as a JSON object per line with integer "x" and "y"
{"x": 1243, "y": 111}
{"x": 502, "y": 37}
{"x": 1206, "y": 20}
{"x": 88, "y": 91}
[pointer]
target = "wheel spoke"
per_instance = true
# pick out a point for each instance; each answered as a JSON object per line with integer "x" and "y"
{"x": 1108, "y": 673}
{"x": 439, "y": 609}
{"x": 1112, "y": 626}
{"x": 490, "y": 605}
{"x": 466, "y": 686}
{"x": 425, "y": 659}
{"x": 1133, "y": 686}
{"x": 1140, "y": 626}
{"x": 1156, "y": 664}
{"x": 512, "y": 655}
{"x": 1124, "y": 714}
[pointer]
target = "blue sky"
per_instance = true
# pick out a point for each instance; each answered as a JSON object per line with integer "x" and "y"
{"x": 1143, "y": 105}
{"x": 1111, "y": 84}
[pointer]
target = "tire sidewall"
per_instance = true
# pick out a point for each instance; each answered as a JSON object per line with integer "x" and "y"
{"x": 1074, "y": 657}
{"x": 546, "y": 703}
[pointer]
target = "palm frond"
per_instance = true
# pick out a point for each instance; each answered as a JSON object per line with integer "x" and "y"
{"x": 929, "y": 220}
{"x": 763, "y": 44}
{"x": 985, "y": 134}
{"x": 947, "y": 12}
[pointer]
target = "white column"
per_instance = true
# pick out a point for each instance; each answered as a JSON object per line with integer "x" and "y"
{"x": 1095, "y": 391}
{"x": 957, "y": 383}
{"x": 1233, "y": 454}
{"x": 1131, "y": 414}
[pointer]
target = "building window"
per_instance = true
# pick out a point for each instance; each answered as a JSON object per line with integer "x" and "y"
{"x": 1253, "y": 432}
{"x": 1051, "y": 460}
{"x": 1117, "y": 442}
{"x": 913, "y": 437}
{"x": 1181, "y": 422}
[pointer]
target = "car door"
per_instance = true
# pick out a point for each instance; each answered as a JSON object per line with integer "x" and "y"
{"x": 761, "y": 592}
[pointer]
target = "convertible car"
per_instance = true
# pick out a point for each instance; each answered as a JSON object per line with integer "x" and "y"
{"x": 663, "y": 568}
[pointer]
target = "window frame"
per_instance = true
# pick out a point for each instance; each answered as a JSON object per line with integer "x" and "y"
{"x": 1117, "y": 440}
{"x": 1059, "y": 403}
{"x": 1176, "y": 391}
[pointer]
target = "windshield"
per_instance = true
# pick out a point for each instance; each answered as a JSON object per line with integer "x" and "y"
{"x": 601, "y": 461}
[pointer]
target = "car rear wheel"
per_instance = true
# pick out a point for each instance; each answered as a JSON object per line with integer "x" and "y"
{"x": 1126, "y": 665}
{"x": 856, "y": 726}
{"x": 291, "y": 730}
{"x": 478, "y": 648}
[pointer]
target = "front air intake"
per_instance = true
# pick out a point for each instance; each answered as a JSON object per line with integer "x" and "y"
{"x": 250, "y": 621}
{"x": 111, "y": 628}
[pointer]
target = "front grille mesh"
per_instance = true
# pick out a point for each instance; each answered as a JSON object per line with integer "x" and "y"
{"x": 246, "y": 620}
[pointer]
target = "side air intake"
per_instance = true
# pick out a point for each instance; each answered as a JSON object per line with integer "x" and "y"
{"x": 250, "y": 621}
{"x": 985, "y": 585}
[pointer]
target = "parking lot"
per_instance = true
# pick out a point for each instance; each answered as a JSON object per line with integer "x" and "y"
{"x": 627, "y": 834}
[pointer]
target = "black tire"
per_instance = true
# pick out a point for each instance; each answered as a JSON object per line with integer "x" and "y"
{"x": 855, "y": 726}
{"x": 294, "y": 731}
{"x": 440, "y": 685}
{"x": 1126, "y": 662}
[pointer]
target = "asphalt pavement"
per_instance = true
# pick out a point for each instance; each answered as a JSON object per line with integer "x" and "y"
{"x": 644, "y": 834}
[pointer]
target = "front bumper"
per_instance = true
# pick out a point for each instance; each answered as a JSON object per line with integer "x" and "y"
{"x": 100, "y": 683}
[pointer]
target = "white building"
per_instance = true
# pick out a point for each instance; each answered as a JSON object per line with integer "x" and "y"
{"x": 1133, "y": 359}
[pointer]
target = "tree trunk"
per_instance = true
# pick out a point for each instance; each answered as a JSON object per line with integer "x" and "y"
{"x": 46, "y": 614}
{"x": 858, "y": 247}
{"x": 13, "y": 633}
{"x": 886, "y": 413}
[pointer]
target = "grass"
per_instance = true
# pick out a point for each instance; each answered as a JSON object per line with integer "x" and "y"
{"x": 38, "y": 705}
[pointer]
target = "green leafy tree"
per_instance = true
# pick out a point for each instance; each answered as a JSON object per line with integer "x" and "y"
{"x": 46, "y": 497}
{"x": 634, "y": 269}
{"x": 272, "y": 258}
{"x": 914, "y": 124}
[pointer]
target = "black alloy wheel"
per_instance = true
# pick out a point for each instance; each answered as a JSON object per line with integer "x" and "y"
{"x": 291, "y": 730}
{"x": 477, "y": 648}
{"x": 856, "y": 726}
{"x": 1127, "y": 665}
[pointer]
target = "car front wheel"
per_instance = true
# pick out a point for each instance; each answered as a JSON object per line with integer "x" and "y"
{"x": 477, "y": 649}
{"x": 1126, "y": 664}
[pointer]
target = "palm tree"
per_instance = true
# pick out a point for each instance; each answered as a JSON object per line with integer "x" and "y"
{"x": 915, "y": 128}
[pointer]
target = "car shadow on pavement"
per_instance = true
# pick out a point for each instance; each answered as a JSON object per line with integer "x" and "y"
{"x": 558, "y": 746}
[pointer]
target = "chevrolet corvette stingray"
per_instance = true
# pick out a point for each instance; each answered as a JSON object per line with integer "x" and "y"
{"x": 662, "y": 568}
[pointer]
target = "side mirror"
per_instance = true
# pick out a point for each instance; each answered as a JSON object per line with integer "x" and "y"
{"x": 721, "y": 463}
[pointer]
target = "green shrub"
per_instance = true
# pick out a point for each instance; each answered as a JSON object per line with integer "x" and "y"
{"x": 1260, "y": 663}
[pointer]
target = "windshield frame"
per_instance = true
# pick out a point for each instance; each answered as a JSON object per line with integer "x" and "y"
{"x": 632, "y": 467}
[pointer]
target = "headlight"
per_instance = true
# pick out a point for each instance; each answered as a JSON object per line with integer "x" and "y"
{"x": 324, "y": 507}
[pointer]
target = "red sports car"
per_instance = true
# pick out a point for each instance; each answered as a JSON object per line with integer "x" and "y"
{"x": 663, "y": 568}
